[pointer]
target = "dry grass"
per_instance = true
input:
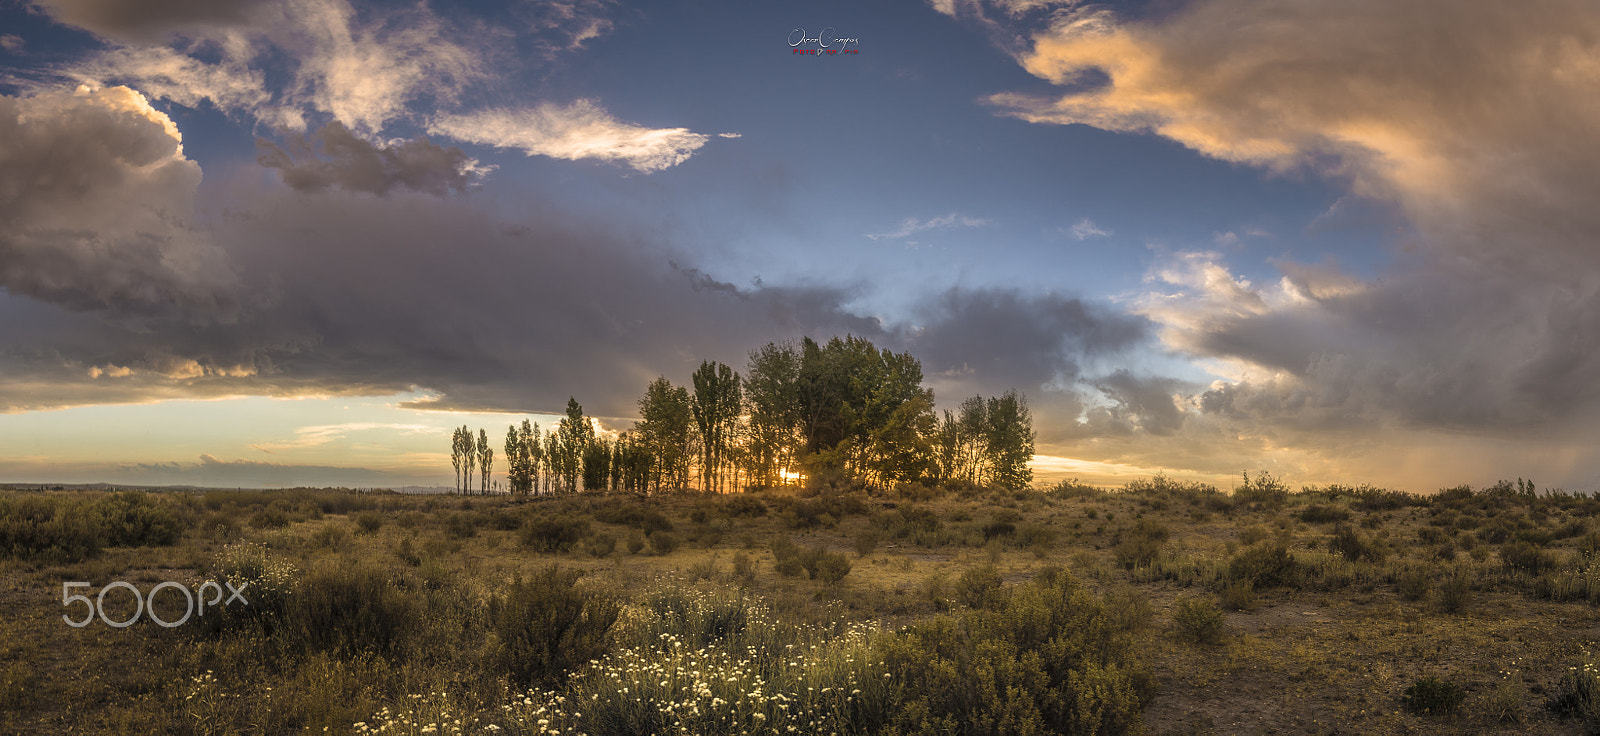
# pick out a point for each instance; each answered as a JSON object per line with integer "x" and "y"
{"x": 1375, "y": 593}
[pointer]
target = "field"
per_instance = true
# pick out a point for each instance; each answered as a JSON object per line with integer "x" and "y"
{"x": 1161, "y": 607}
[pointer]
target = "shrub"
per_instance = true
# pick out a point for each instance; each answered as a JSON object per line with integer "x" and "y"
{"x": 369, "y": 522}
{"x": 545, "y": 627}
{"x": 829, "y": 567}
{"x": 1525, "y": 557}
{"x": 134, "y": 520}
{"x": 599, "y": 545}
{"x": 1239, "y": 595}
{"x": 1047, "y": 661}
{"x": 663, "y": 543}
{"x": 866, "y": 541}
{"x": 1431, "y": 695}
{"x": 1318, "y": 514}
{"x": 1414, "y": 583}
{"x": 461, "y": 525}
{"x": 979, "y": 587}
{"x": 644, "y": 519}
{"x": 1264, "y": 489}
{"x": 1265, "y": 565}
{"x": 271, "y": 517}
{"x": 346, "y": 610}
{"x": 1199, "y": 620}
{"x": 47, "y": 530}
{"x": 1140, "y": 545}
{"x": 1453, "y": 593}
{"x": 551, "y": 534}
{"x": 743, "y": 568}
{"x": 1356, "y": 546}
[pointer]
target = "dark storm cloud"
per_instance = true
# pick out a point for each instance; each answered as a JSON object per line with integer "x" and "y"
{"x": 96, "y": 205}
{"x": 1150, "y": 401}
{"x": 333, "y": 157}
{"x": 1015, "y": 338}
{"x": 354, "y": 294}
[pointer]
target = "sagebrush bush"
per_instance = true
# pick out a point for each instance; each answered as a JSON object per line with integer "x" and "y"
{"x": 1356, "y": 546}
{"x": 980, "y": 587}
{"x": 1048, "y": 661}
{"x": 663, "y": 543}
{"x": 546, "y": 626}
{"x": 1199, "y": 620}
{"x": 369, "y": 522}
{"x": 1525, "y": 557}
{"x": 866, "y": 541}
{"x": 1454, "y": 591}
{"x": 1414, "y": 583}
{"x": 551, "y": 534}
{"x": 47, "y": 529}
{"x": 136, "y": 520}
{"x": 1263, "y": 489}
{"x": 346, "y": 609}
{"x": 1265, "y": 565}
{"x": 1139, "y": 546}
{"x": 646, "y": 520}
{"x": 1239, "y": 595}
{"x": 1431, "y": 695}
{"x": 1320, "y": 514}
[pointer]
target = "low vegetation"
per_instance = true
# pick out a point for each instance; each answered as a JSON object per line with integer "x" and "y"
{"x": 948, "y": 607}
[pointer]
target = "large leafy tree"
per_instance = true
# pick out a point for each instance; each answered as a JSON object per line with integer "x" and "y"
{"x": 1008, "y": 440}
{"x": 772, "y": 395}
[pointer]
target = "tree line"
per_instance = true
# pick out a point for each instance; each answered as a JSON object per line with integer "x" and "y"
{"x": 841, "y": 411}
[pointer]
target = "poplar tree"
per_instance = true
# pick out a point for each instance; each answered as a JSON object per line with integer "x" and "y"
{"x": 469, "y": 458}
{"x": 457, "y": 455}
{"x": 715, "y": 407}
{"x": 485, "y": 461}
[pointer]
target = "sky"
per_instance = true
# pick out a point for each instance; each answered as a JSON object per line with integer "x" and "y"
{"x": 296, "y": 242}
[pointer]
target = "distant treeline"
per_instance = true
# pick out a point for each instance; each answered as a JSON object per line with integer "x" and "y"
{"x": 845, "y": 411}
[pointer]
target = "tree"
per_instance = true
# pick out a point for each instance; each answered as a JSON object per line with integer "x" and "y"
{"x": 716, "y": 408}
{"x": 664, "y": 433}
{"x": 519, "y": 459}
{"x": 469, "y": 458}
{"x": 1009, "y": 440}
{"x": 485, "y": 461}
{"x": 577, "y": 434}
{"x": 772, "y": 393}
{"x": 457, "y": 455}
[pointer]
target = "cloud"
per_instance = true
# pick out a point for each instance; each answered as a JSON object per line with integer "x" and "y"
{"x": 1468, "y": 122}
{"x": 12, "y": 44}
{"x": 1085, "y": 228}
{"x": 96, "y": 208}
{"x": 1006, "y": 339}
{"x": 151, "y": 20}
{"x": 912, "y": 225}
{"x": 363, "y": 69}
{"x": 351, "y": 163}
{"x": 581, "y": 130}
